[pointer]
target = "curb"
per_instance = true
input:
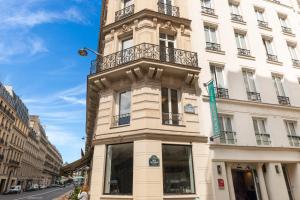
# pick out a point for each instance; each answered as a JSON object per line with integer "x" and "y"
{"x": 62, "y": 197}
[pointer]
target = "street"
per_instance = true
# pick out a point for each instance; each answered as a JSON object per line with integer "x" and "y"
{"x": 46, "y": 194}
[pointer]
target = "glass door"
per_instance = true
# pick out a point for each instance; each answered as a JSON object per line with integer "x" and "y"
{"x": 167, "y": 47}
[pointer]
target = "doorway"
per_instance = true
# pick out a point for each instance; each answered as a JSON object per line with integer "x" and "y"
{"x": 2, "y": 184}
{"x": 287, "y": 181}
{"x": 245, "y": 184}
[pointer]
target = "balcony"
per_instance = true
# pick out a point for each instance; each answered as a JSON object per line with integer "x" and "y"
{"x": 244, "y": 52}
{"x": 172, "y": 119}
{"x": 263, "y": 138}
{"x": 146, "y": 51}
{"x": 296, "y": 63}
{"x": 228, "y": 137}
{"x": 284, "y": 100}
{"x": 263, "y": 24}
{"x": 221, "y": 93}
{"x": 213, "y": 46}
{"x": 237, "y": 18}
{"x": 286, "y": 30}
{"x": 253, "y": 96}
{"x": 14, "y": 163}
{"x": 207, "y": 10}
{"x": 6, "y": 112}
{"x": 124, "y": 13}
{"x": 168, "y": 9}
{"x": 294, "y": 140}
{"x": 121, "y": 120}
{"x": 272, "y": 58}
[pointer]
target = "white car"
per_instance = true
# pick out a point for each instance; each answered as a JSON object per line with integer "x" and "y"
{"x": 43, "y": 186}
{"x": 15, "y": 190}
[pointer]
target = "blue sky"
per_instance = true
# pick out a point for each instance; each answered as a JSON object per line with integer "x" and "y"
{"x": 39, "y": 40}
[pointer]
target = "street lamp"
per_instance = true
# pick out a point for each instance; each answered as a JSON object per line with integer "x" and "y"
{"x": 84, "y": 52}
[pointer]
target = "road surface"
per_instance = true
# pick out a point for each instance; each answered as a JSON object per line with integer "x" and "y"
{"x": 46, "y": 194}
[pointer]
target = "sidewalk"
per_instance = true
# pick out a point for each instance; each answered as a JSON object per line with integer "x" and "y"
{"x": 64, "y": 196}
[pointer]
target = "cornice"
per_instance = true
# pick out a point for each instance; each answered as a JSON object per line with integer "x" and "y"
{"x": 253, "y": 148}
{"x": 146, "y": 13}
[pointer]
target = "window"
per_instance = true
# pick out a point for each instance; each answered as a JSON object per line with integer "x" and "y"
{"x": 227, "y": 135}
{"x": 291, "y": 127}
{"x": 126, "y": 51}
{"x": 178, "y": 173}
{"x": 283, "y": 21}
{"x": 211, "y": 38}
{"x": 262, "y": 138}
{"x": 165, "y": 6}
{"x": 241, "y": 43}
{"x": 250, "y": 85}
{"x": 123, "y": 109}
{"x": 207, "y": 3}
{"x": 171, "y": 106}
{"x": 234, "y": 8}
{"x": 293, "y": 53}
{"x": 278, "y": 85}
{"x": 167, "y": 45}
{"x": 217, "y": 76}
{"x": 260, "y": 15}
{"x": 128, "y": 3}
{"x": 270, "y": 50}
{"x": 119, "y": 169}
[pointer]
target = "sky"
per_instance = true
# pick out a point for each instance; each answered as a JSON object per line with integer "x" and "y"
{"x": 39, "y": 40}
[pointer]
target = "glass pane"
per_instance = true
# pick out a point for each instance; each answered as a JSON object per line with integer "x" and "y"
{"x": 251, "y": 82}
{"x": 165, "y": 100}
{"x": 237, "y": 40}
{"x": 128, "y": 3}
{"x": 206, "y": 3}
{"x": 174, "y": 101}
{"x": 213, "y": 35}
{"x": 119, "y": 169}
{"x": 219, "y": 75}
{"x": 125, "y": 102}
{"x": 127, "y": 43}
{"x": 246, "y": 81}
{"x": 207, "y": 37}
{"x": 243, "y": 42}
{"x": 256, "y": 130}
{"x": 178, "y": 169}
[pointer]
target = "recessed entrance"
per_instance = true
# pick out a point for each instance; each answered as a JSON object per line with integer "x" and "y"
{"x": 245, "y": 185}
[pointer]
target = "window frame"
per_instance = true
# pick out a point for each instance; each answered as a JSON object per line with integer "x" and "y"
{"x": 239, "y": 37}
{"x": 170, "y": 108}
{"x": 247, "y": 80}
{"x": 117, "y": 106}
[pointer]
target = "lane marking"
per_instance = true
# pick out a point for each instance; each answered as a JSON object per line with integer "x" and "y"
{"x": 37, "y": 194}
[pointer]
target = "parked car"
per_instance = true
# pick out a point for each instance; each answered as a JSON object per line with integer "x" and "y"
{"x": 43, "y": 186}
{"x": 14, "y": 190}
{"x": 33, "y": 187}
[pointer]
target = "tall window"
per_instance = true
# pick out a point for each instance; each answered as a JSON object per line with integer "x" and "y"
{"x": 293, "y": 52}
{"x": 119, "y": 169}
{"x": 283, "y": 21}
{"x": 227, "y": 135}
{"x": 262, "y": 137}
{"x": 217, "y": 76}
{"x": 178, "y": 173}
{"x": 210, "y": 34}
{"x": 268, "y": 43}
{"x": 167, "y": 45}
{"x": 260, "y": 15}
{"x": 171, "y": 106}
{"x": 278, "y": 86}
{"x": 127, "y": 3}
{"x": 241, "y": 40}
{"x": 166, "y": 6}
{"x": 207, "y": 3}
{"x": 291, "y": 127}
{"x": 234, "y": 8}
{"x": 126, "y": 51}
{"x": 250, "y": 85}
{"x": 123, "y": 108}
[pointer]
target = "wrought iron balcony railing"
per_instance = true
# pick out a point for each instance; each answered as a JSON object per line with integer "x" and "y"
{"x": 263, "y": 138}
{"x": 263, "y": 24}
{"x": 172, "y": 119}
{"x": 120, "y": 120}
{"x": 271, "y": 57}
{"x": 213, "y": 46}
{"x": 294, "y": 140}
{"x": 244, "y": 52}
{"x": 221, "y": 93}
{"x": 168, "y": 9}
{"x": 146, "y": 51}
{"x": 284, "y": 100}
{"x": 125, "y": 12}
{"x": 286, "y": 29}
{"x": 207, "y": 10}
{"x": 236, "y": 17}
{"x": 296, "y": 62}
{"x": 254, "y": 96}
{"x": 228, "y": 137}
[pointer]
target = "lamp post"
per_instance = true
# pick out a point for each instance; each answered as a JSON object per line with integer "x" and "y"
{"x": 84, "y": 52}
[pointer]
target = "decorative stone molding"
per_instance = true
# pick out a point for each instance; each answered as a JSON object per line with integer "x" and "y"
{"x": 169, "y": 28}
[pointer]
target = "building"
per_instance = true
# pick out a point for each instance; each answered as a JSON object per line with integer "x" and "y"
{"x": 14, "y": 131}
{"x": 149, "y": 120}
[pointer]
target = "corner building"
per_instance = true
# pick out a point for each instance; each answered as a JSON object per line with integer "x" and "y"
{"x": 148, "y": 112}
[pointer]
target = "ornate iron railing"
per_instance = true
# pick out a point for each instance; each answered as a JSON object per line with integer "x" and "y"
{"x": 236, "y": 17}
{"x": 168, "y": 9}
{"x": 207, "y": 10}
{"x": 263, "y": 24}
{"x": 146, "y": 51}
{"x": 271, "y": 57}
{"x": 125, "y": 12}
{"x": 221, "y": 93}
{"x": 294, "y": 140}
{"x": 296, "y": 62}
{"x": 120, "y": 120}
{"x": 263, "y": 138}
{"x": 213, "y": 46}
{"x": 244, "y": 52}
{"x": 254, "y": 96}
{"x": 228, "y": 137}
{"x": 6, "y": 112}
{"x": 284, "y": 100}
{"x": 286, "y": 29}
{"x": 172, "y": 119}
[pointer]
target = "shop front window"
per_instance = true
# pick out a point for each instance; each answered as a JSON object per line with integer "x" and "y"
{"x": 119, "y": 169}
{"x": 178, "y": 172}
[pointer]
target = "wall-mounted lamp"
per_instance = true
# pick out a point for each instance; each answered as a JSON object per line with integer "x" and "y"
{"x": 277, "y": 169}
{"x": 219, "y": 169}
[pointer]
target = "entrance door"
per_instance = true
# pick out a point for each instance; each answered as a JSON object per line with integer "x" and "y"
{"x": 246, "y": 186}
{"x": 287, "y": 181}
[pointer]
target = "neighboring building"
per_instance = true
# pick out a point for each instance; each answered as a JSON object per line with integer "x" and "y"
{"x": 148, "y": 111}
{"x": 14, "y": 131}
